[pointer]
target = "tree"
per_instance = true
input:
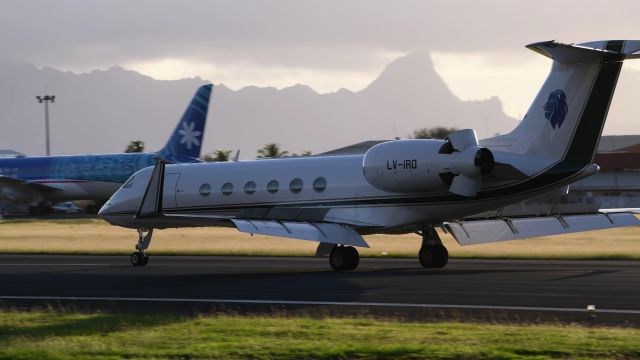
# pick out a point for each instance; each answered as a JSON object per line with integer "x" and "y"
{"x": 271, "y": 151}
{"x": 135, "y": 146}
{"x": 304, "y": 153}
{"x": 218, "y": 155}
{"x": 439, "y": 132}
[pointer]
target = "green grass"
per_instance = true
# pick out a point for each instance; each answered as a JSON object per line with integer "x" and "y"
{"x": 55, "y": 335}
{"x": 94, "y": 236}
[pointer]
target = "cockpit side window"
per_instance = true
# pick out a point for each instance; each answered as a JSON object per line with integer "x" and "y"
{"x": 129, "y": 183}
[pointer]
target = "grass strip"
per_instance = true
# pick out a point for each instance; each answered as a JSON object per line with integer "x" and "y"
{"x": 57, "y": 335}
{"x": 92, "y": 236}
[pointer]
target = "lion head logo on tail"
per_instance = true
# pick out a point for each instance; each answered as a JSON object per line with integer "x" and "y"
{"x": 555, "y": 110}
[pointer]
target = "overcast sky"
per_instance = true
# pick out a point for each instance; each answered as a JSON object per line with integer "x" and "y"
{"x": 477, "y": 46}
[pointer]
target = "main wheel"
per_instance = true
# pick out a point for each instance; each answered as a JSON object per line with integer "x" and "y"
{"x": 353, "y": 256}
{"x": 139, "y": 259}
{"x": 344, "y": 258}
{"x": 433, "y": 256}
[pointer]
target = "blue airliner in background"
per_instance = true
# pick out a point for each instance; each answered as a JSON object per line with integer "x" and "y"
{"x": 39, "y": 180}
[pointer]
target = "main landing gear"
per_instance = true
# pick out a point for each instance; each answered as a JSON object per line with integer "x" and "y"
{"x": 344, "y": 258}
{"x": 432, "y": 253}
{"x": 140, "y": 257}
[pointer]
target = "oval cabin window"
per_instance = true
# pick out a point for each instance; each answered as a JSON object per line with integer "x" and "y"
{"x": 272, "y": 186}
{"x": 296, "y": 185}
{"x": 227, "y": 188}
{"x": 319, "y": 184}
{"x": 250, "y": 187}
{"x": 205, "y": 189}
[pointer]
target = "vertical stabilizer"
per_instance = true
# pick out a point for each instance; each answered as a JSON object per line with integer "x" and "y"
{"x": 566, "y": 118}
{"x": 186, "y": 140}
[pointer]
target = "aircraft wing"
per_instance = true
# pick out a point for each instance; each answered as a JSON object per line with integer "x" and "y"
{"x": 323, "y": 232}
{"x": 480, "y": 231}
{"x": 9, "y": 183}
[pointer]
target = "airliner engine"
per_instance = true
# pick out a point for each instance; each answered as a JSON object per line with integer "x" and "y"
{"x": 456, "y": 164}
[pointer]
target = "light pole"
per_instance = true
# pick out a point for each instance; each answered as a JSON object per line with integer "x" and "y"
{"x": 45, "y": 99}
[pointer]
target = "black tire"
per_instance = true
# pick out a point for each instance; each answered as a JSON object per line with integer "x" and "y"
{"x": 353, "y": 257}
{"x": 344, "y": 258}
{"x": 433, "y": 256}
{"x": 337, "y": 258}
{"x": 139, "y": 259}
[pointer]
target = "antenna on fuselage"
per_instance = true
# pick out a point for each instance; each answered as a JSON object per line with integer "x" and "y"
{"x": 237, "y": 157}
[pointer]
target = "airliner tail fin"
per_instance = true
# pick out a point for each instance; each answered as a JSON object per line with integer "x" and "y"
{"x": 186, "y": 140}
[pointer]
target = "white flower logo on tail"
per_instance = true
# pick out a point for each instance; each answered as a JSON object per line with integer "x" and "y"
{"x": 189, "y": 135}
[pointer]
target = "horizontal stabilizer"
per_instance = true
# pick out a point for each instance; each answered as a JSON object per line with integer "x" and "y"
{"x": 589, "y": 51}
{"x": 486, "y": 231}
{"x": 322, "y": 232}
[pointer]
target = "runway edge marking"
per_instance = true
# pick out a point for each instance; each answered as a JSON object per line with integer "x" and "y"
{"x": 318, "y": 303}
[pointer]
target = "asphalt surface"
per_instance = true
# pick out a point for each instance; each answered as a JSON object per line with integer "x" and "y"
{"x": 488, "y": 289}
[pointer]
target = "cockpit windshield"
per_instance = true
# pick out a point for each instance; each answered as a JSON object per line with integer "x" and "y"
{"x": 129, "y": 183}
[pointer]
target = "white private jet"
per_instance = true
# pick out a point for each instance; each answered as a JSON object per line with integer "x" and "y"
{"x": 403, "y": 186}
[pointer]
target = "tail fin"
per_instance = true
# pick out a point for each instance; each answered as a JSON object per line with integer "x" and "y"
{"x": 567, "y": 116}
{"x": 186, "y": 139}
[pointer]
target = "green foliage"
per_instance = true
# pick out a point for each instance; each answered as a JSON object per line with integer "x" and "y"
{"x": 271, "y": 151}
{"x": 218, "y": 155}
{"x": 135, "y": 146}
{"x": 304, "y": 153}
{"x": 38, "y": 335}
{"x": 439, "y": 132}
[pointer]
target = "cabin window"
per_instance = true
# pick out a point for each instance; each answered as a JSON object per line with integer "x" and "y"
{"x": 227, "y": 188}
{"x": 250, "y": 187}
{"x": 295, "y": 185}
{"x": 319, "y": 184}
{"x": 272, "y": 186}
{"x": 129, "y": 183}
{"x": 205, "y": 189}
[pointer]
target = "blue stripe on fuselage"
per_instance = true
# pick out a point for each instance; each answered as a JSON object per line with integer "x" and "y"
{"x": 111, "y": 168}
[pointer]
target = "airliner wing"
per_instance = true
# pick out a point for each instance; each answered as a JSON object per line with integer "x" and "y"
{"x": 7, "y": 181}
{"x": 480, "y": 231}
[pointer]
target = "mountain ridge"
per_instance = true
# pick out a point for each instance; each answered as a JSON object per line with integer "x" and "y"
{"x": 119, "y": 105}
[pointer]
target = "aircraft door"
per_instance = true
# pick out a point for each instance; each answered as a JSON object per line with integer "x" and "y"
{"x": 169, "y": 193}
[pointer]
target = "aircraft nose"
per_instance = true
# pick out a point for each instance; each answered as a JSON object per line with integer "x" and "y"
{"x": 104, "y": 209}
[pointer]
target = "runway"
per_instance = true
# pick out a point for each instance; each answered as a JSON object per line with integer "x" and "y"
{"x": 561, "y": 289}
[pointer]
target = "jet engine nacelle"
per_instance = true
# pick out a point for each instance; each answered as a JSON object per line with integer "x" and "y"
{"x": 456, "y": 164}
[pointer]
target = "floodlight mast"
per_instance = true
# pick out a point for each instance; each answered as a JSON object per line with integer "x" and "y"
{"x": 46, "y": 99}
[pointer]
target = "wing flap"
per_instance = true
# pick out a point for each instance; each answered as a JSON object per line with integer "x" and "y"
{"x": 322, "y": 232}
{"x": 486, "y": 231}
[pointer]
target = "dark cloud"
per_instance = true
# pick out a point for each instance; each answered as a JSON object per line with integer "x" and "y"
{"x": 328, "y": 34}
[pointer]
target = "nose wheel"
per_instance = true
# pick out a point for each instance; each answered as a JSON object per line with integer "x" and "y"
{"x": 140, "y": 257}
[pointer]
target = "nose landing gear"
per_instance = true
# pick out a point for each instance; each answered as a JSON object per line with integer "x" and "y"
{"x": 140, "y": 257}
{"x": 432, "y": 253}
